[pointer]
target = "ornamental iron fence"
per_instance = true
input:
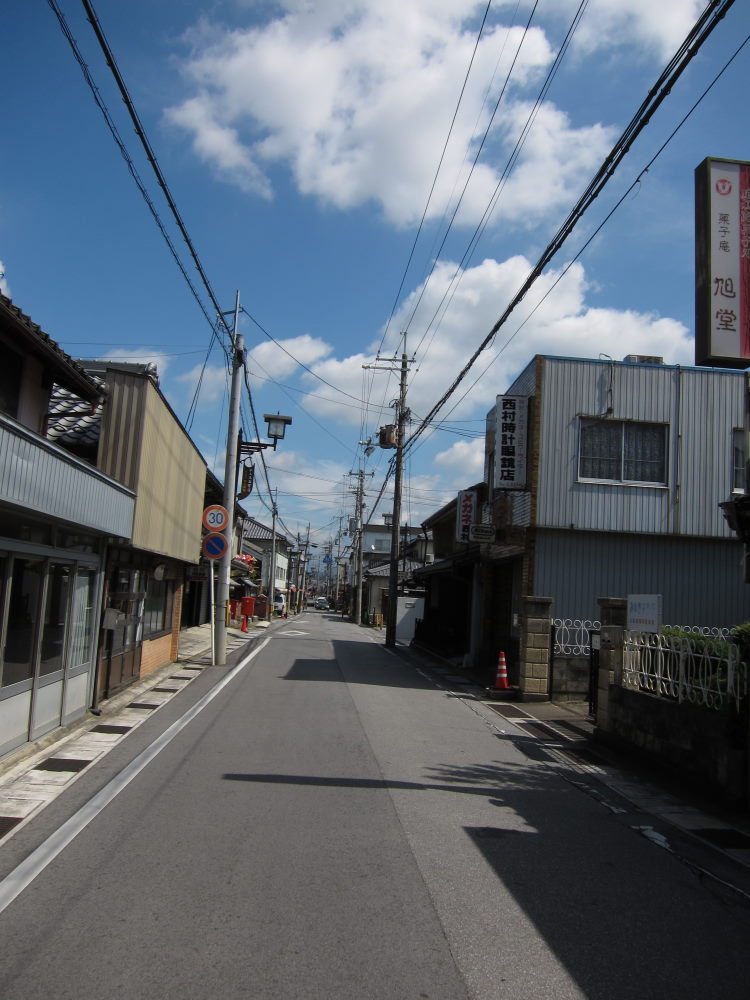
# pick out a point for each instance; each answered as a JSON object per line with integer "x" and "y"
{"x": 704, "y": 671}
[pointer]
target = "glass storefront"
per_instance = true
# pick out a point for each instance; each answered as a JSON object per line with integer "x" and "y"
{"x": 48, "y": 637}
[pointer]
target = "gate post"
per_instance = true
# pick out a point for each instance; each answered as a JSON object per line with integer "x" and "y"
{"x": 534, "y": 658}
{"x": 613, "y": 614}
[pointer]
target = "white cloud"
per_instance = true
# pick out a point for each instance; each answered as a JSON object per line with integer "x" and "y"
{"x": 277, "y": 360}
{"x": 563, "y": 323}
{"x": 214, "y": 383}
{"x": 464, "y": 461}
{"x": 660, "y": 26}
{"x": 357, "y": 99}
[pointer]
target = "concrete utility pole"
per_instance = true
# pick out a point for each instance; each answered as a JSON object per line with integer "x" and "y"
{"x": 356, "y": 616}
{"x": 390, "y": 625}
{"x": 230, "y": 473}
{"x": 272, "y": 567}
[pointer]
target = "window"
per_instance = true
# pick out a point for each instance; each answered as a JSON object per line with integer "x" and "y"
{"x": 157, "y": 609}
{"x": 621, "y": 451}
{"x": 738, "y": 460}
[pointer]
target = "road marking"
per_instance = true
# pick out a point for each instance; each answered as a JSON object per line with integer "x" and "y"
{"x": 25, "y": 873}
{"x": 292, "y": 631}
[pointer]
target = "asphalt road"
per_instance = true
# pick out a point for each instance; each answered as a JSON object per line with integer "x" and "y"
{"x": 334, "y": 825}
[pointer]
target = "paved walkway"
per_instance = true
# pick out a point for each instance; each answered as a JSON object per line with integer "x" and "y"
{"x": 36, "y": 773}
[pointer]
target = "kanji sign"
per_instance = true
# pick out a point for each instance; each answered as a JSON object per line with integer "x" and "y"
{"x": 466, "y": 514}
{"x": 215, "y": 545}
{"x": 511, "y": 438}
{"x": 215, "y": 517}
{"x": 722, "y": 248}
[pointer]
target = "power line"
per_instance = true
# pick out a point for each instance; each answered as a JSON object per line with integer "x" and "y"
{"x": 151, "y": 156}
{"x": 125, "y": 154}
{"x": 703, "y": 27}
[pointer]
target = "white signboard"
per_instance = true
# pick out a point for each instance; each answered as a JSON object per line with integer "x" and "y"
{"x": 466, "y": 514}
{"x": 482, "y": 533}
{"x": 644, "y": 612}
{"x": 723, "y": 263}
{"x": 511, "y": 442}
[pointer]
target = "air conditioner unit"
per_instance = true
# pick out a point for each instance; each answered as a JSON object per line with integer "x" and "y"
{"x": 644, "y": 359}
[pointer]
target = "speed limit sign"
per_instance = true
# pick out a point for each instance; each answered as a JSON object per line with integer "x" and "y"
{"x": 215, "y": 517}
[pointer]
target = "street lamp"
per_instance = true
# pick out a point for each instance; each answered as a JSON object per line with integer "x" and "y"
{"x": 277, "y": 425}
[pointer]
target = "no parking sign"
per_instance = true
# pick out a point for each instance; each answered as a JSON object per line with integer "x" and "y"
{"x": 215, "y": 545}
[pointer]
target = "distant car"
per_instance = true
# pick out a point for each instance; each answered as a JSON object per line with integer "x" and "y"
{"x": 321, "y": 603}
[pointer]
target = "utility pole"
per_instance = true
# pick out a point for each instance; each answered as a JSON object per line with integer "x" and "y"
{"x": 272, "y": 567}
{"x": 230, "y": 474}
{"x": 390, "y": 625}
{"x": 358, "y": 569}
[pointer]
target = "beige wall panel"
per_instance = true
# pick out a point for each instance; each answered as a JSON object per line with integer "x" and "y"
{"x": 122, "y": 421}
{"x": 170, "y": 487}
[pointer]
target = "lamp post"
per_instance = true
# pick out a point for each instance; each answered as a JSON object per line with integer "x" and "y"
{"x": 236, "y": 449}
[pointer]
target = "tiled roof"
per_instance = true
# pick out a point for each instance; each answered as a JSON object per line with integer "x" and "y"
{"x": 71, "y": 423}
{"x": 65, "y": 370}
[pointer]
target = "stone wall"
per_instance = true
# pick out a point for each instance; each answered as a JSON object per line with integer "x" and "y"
{"x": 700, "y": 743}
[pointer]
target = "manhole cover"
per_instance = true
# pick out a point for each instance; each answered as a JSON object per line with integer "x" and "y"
{"x": 510, "y": 711}
{"x": 725, "y": 837}
{"x": 544, "y": 732}
{"x": 62, "y": 764}
{"x": 7, "y": 823}
{"x": 112, "y": 730}
{"x": 141, "y": 704}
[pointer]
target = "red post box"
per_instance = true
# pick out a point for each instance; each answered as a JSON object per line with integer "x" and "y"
{"x": 248, "y": 606}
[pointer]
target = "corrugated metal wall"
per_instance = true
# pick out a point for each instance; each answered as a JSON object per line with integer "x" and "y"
{"x": 39, "y": 476}
{"x": 122, "y": 426}
{"x": 701, "y": 581}
{"x": 170, "y": 487}
{"x": 701, "y": 408}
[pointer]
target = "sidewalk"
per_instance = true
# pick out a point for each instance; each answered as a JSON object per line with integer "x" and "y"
{"x": 36, "y": 773}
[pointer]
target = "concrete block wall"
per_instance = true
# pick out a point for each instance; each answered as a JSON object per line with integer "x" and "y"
{"x": 536, "y": 630}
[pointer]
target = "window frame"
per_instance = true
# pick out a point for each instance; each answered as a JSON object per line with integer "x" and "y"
{"x": 158, "y": 608}
{"x": 624, "y": 424}
{"x": 739, "y": 461}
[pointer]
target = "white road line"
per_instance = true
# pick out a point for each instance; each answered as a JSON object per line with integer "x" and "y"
{"x": 25, "y": 873}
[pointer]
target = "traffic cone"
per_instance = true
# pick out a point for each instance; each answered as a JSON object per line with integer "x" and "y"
{"x": 501, "y": 678}
{"x": 243, "y": 627}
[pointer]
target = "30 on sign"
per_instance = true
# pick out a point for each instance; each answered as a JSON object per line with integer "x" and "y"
{"x": 215, "y": 517}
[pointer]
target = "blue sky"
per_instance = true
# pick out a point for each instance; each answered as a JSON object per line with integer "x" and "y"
{"x": 300, "y": 141}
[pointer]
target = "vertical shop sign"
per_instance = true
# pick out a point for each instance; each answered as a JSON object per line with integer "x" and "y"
{"x": 511, "y": 441}
{"x": 466, "y": 512}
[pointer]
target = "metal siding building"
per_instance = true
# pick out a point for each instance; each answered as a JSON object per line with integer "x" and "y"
{"x": 611, "y": 539}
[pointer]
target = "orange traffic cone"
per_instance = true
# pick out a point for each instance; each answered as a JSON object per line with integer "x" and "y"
{"x": 501, "y": 678}
{"x": 244, "y": 624}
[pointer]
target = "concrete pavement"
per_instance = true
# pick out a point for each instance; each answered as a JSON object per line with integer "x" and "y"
{"x": 38, "y": 773}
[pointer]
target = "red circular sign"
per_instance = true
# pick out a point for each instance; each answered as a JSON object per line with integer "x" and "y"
{"x": 215, "y": 517}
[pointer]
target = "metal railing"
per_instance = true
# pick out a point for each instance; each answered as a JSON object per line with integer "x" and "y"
{"x": 573, "y": 636}
{"x": 706, "y": 673}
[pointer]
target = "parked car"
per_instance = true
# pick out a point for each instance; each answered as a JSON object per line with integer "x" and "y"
{"x": 321, "y": 603}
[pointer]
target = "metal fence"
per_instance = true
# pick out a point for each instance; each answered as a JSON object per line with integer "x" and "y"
{"x": 573, "y": 636}
{"x": 706, "y": 672}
